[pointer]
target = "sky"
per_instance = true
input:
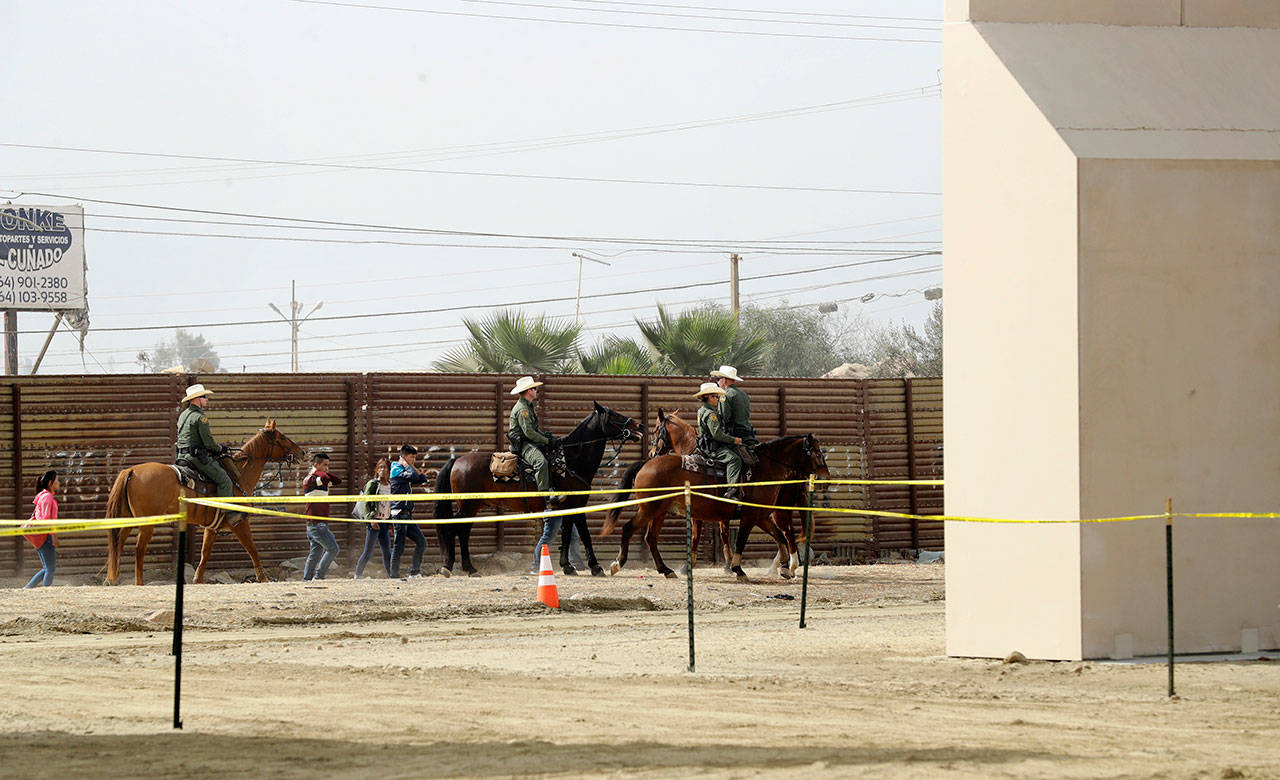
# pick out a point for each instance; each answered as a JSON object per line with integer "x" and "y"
{"x": 804, "y": 136}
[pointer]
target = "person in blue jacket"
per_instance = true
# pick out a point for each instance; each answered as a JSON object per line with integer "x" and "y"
{"x": 403, "y": 477}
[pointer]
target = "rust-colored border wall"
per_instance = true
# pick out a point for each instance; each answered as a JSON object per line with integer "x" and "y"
{"x": 90, "y": 427}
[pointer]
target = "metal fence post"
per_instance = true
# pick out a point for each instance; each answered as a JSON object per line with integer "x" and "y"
{"x": 688, "y": 559}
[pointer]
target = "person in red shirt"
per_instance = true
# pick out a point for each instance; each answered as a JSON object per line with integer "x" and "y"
{"x": 324, "y": 547}
{"x": 46, "y": 512}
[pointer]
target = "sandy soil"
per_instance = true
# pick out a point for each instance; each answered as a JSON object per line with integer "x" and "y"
{"x": 470, "y": 677}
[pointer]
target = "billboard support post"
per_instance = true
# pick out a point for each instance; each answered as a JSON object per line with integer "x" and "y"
{"x": 11, "y": 342}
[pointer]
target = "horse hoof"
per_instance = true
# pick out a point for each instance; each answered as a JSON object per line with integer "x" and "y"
{"x": 596, "y": 571}
{"x": 473, "y": 573}
{"x": 742, "y": 575}
{"x": 444, "y": 572}
{"x": 567, "y": 570}
{"x": 614, "y": 567}
{"x": 786, "y": 574}
{"x": 671, "y": 575}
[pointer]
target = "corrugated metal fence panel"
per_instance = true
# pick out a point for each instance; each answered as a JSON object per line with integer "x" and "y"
{"x": 892, "y": 428}
{"x": 90, "y": 427}
{"x": 89, "y": 431}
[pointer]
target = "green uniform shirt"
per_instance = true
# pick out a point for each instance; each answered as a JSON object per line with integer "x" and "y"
{"x": 737, "y": 412}
{"x": 710, "y": 423}
{"x": 193, "y": 431}
{"x": 524, "y": 419}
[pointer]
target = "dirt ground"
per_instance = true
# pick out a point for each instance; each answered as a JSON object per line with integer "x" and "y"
{"x": 470, "y": 677}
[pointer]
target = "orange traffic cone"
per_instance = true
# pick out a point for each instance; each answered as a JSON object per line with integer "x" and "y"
{"x": 547, "y": 581}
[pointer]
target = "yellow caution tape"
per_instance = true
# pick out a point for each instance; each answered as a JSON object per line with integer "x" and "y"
{"x": 1245, "y": 515}
{"x": 936, "y": 518}
{"x": 227, "y": 505}
{"x": 7, "y": 527}
{"x": 381, "y": 497}
{"x": 905, "y": 482}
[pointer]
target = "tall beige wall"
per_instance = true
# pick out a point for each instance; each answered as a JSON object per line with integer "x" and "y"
{"x": 1011, "y": 312}
{"x": 1180, "y": 397}
{"x": 1158, "y": 13}
{"x": 1112, "y": 256}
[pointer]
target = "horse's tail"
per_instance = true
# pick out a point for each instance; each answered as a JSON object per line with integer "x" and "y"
{"x": 624, "y": 492}
{"x": 444, "y": 509}
{"x": 117, "y": 506}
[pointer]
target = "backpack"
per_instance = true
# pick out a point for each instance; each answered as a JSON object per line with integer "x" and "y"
{"x": 358, "y": 510}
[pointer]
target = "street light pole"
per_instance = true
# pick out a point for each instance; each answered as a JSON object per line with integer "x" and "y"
{"x": 733, "y": 284}
{"x": 577, "y": 299}
{"x": 295, "y": 321}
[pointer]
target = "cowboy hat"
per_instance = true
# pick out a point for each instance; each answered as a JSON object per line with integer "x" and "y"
{"x": 195, "y": 391}
{"x": 524, "y": 383}
{"x": 709, "y": 388}
{"x": 727, "y": 372}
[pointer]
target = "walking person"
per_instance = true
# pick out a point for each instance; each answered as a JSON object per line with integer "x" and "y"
{"x": 46, "y": 545}
{"x": 324, "y": 547}
{"x": 404, "y": 475}
{"x": 376, "y": 513}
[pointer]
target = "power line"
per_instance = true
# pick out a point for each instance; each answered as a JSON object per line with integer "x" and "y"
{"x": 762, "y": 11}
{"x": 440, "y": 172}
{"x": 617, "y": 25}
{"x": 468, "y": 151}
{"x": 701, "y": 243}
{"x": 553, "y": 7}
{"x": 507, "y": 304}
{"x": 445, "y": 342}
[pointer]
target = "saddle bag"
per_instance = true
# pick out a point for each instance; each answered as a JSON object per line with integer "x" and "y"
{"x": 503, "y": 464}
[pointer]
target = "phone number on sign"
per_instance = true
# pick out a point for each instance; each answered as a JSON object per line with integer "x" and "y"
{"x": 11, "y": 297}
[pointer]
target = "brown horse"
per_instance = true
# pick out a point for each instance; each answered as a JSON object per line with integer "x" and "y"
{"x": 672, "y": 434}
{"x": 790, "y": 457}
{"x": 583, "y": 450}
{"x": 153, "y": 489}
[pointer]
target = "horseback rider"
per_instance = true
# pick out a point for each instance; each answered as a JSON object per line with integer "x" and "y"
{"x": 197, "y": 446}
{"x": 530, "y": 443}
{"x": 737, "y": 412}
{"x": 714, "y": 440}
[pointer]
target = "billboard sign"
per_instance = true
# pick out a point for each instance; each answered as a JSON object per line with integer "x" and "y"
{"x": 42, "y": 265}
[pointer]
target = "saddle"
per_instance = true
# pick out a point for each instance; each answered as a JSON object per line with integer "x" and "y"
{"x": 198, "y": 483}
{"x": 699, "y": 463}
{"x": 522, "y": 471}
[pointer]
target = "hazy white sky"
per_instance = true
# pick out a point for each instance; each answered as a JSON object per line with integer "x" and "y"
{"x": 280, "y": 80}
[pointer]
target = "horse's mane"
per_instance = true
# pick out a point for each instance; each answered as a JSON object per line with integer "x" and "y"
{"x": 581, "y": 429}
{"x": 253, "y": 448}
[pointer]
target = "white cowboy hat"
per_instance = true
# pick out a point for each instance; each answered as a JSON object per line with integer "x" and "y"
{"x": 195, "y": 391}
{"x": 524, "y": 383}
{"x": 709, "y": 388}
{"x": 727, "y": 372}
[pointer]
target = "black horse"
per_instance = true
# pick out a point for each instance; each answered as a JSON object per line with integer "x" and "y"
{"x": 583, "y": 451}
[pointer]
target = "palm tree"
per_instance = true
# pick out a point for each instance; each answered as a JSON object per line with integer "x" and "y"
{"x": 697, "y": 340}
{"x": 616, "y": 355}
{"x": 509, "y": 342}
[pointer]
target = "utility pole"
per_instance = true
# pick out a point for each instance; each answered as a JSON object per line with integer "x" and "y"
{"x": 577, "y": 299}
{"x": 11, "y": 342}
{"x": 733, "y": 284}
{"x": 294, "y": 320}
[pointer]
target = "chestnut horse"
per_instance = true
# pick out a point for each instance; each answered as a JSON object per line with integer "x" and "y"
{"x": 672, "y": 434}
{"x": 153, "y": 489}
{"x": 583, "y": 451}
{"x": 789, "y": 457}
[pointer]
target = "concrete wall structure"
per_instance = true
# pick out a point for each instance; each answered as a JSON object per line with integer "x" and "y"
{"x": 1112, "y": 234}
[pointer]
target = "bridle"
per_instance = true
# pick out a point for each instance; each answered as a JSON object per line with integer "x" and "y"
{"x": 288, "y": 460}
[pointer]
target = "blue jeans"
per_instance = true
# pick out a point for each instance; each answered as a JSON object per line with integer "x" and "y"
{"x": 412, "y": 531}
{"x": 49, "y": 560}
{"x": 550, "y": 530}
{"x": 324, "y": 548}
{"x": 383, "y": 537}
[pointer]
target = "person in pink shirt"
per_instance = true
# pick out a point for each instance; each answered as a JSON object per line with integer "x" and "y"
{"x": 46, "y": 512}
